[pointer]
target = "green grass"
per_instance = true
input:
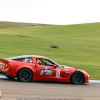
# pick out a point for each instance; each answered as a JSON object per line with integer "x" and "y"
{"x": 79, "y": 45}
{"x": 1, "y": 75}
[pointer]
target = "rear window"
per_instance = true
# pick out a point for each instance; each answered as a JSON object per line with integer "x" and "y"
{"x": 25, "y": 59}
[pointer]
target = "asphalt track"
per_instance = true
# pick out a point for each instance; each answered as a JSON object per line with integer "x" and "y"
{"x": 38, "y": 90}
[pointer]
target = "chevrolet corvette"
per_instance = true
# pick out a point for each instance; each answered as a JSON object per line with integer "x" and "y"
{"x": 32, "y": 67}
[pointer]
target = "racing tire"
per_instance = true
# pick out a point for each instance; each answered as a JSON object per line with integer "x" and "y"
{"x": 77, "y": 78}
{"x": 24, "y": 75}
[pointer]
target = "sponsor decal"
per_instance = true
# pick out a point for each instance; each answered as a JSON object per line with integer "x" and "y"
{"x": 58, "y": 73}
{"x": 46, "y": 72}
{"x": 0, "y": 94}
{"x": 66, "y": 69}
{"x": 46, "y": 68}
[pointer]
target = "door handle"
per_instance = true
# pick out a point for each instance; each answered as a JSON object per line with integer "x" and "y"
{"x": 35, "y": 65}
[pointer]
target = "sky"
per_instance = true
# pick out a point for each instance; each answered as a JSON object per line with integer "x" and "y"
{"x": 59, "y": 12}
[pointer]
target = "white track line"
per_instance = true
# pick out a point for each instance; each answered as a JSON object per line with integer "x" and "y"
{"x": 94, "y": 81}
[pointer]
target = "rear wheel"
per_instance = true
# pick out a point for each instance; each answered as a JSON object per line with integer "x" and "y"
{"x": 77, "y": 78}
{"x": 24, "y": 75}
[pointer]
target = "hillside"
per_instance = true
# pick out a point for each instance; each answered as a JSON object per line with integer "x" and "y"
{"x": 79, "y": 45}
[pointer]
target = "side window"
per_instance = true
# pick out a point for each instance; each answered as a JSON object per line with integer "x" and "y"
{"x": 38, "y": 61}
{"x": 19, "y": 59}
{"x": 48, "y": 62}
{"x": 27, "y": 59}
{"x": 45, "y": 62}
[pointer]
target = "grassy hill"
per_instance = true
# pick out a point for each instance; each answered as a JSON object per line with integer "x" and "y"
{"x": 4, "y": 24}
{"x": 79, "y": 45}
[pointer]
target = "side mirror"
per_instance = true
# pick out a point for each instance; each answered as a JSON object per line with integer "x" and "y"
{"x": 54, "y": 66}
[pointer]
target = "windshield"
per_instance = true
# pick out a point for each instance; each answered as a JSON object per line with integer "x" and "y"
{"x": 46, "y": 62}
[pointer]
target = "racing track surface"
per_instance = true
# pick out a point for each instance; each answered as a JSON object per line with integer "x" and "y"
{"x": 14, "y": 90}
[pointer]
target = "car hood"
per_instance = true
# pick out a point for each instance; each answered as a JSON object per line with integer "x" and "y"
{"x": 67, "y": 67}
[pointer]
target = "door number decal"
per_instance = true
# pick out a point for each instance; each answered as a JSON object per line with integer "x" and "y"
{"x": 58, "y": 73}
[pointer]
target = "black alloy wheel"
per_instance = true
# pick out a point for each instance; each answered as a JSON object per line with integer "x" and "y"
{"x": 77, "y": 78}
{"x": 24, "y": 75}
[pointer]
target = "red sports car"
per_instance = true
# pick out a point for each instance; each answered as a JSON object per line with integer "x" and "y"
{"x": 33, "y": 67}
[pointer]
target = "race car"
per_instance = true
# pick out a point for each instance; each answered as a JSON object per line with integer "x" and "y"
{"x": 32, "y": 67}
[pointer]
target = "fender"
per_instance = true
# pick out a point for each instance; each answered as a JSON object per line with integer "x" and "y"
{"x": 71, "y": 71}
{"x": 17, "y": 68}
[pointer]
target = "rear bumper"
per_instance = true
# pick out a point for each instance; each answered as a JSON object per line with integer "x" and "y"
{"x": 3, "y": 73}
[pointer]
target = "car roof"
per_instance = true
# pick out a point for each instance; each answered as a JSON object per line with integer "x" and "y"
{"x": 22, "y": 56}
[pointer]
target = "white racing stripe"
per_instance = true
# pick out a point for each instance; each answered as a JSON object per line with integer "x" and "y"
{"x": 92, "y": 81}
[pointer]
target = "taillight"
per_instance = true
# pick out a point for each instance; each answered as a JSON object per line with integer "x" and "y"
{"x": 7, "y": 63}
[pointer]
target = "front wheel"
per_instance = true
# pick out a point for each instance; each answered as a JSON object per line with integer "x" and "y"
{"x": 24, "y": 75}
{"x": 77, "y": 78}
